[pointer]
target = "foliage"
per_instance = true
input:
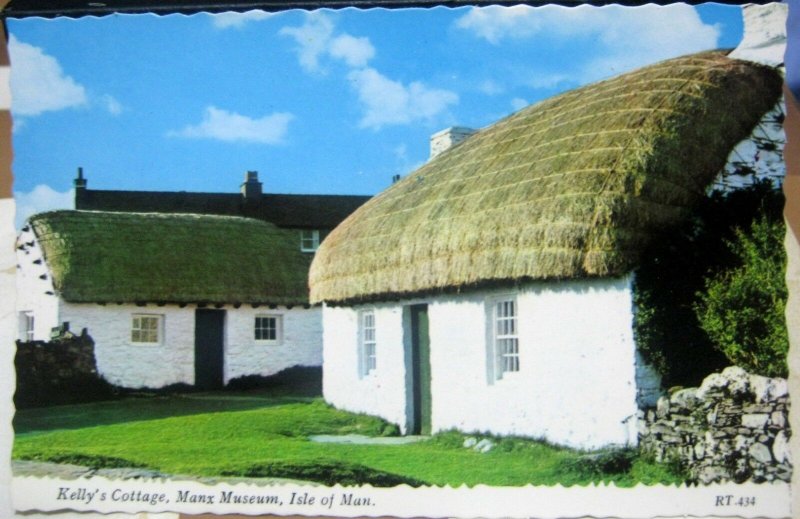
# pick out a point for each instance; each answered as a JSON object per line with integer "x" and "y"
{"x": 603, "y": 463}
{"x": 673, "y": 270}
{"x": 268, "y": 437}
{"x": 743, "y": 308}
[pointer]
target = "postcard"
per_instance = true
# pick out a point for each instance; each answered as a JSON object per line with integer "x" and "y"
{"x": 491, "y": 261}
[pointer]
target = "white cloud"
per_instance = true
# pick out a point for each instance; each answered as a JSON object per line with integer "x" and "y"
{"x": 356, "y": 52}
{"x": 227, "y": 126}
{"x": 237, "y": 20}
{"x": 111, "y": 105}
{"x": 312, "y": 38}
{"x": 623, "y": 37}
{"x": 316, "y": 39}
{"x": 518, "y": 103}
{"x": 38, "y": 83}
{"x": 41, "y": 198}
{"x": 547, "y": 80}
{"x": 388, "y": 102}
{"x": 491, "y": 87}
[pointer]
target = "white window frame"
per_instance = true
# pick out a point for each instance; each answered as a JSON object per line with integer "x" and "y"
{"x": 159, "y": 328}
{"x": 27, "y": 323}
{"x": 504, "y": 333}
{"x": 367, "y": 342}
{"x": 309, "y": 240}
{"x": 278, "y": 329}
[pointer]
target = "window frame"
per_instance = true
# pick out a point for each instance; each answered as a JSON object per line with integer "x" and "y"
{"x": 159, "y": 329}
{"x": 314, "y": 240}
{"x": 367, "y": 342}
{"x": 28, "y": 326}
{"x": 504, "y": 333}
{"x": 278, "y": 329}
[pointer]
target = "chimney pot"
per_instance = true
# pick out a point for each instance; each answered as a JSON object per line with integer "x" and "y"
{"x": 79, "y": 182}
{"x": 251, "y": 187}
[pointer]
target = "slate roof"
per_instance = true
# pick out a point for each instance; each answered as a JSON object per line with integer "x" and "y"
{"x": 107, "y": 257}
{"x": 295, "y": 211}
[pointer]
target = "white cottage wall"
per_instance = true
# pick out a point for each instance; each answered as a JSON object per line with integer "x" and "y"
{"x": 124, "y": 363}
{"x": 33, "y": 282}
{"x": 382, "y": 392}
{"x": 576, "y": 384}
{"x": 300, "y": 342}
{"x": 171, "y": 361}
{"x": 576, "y": 381}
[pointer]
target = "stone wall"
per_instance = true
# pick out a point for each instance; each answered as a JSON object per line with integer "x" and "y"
{"x": 734, "y": 427}
{"x": 58, "y": 372}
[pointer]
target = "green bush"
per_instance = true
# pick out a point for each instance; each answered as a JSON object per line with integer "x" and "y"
{"x": 742, "y": 309}
{"x": 675, "y": 268}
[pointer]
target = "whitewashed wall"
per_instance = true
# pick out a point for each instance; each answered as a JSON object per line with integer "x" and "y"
{"x": 382, "y": 392}
{"x": 577, "y": 380}
{"x": 32, "y": 290}
{"x": 300, "y": 344}
{"x": 126, "y": 364}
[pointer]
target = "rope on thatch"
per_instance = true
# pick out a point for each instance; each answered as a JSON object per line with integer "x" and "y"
{"x": 571, "y": 187}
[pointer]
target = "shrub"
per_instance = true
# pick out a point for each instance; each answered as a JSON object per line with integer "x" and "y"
{"x": 742, "y": 308}
{"x": 675, "y": 268}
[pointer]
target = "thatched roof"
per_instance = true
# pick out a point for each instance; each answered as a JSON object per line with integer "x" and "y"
{"x": 571, "y": 187}
{"x": 100, "y": 257}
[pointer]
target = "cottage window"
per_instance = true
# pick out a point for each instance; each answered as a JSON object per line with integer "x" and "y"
{"x": 369, "y": 360}
{"x": 506, "y": 340}
{"x": 146, "y": 329}
{"x": 26, "y": 326}
{"x": 309, "y": 240}
{"x": 268, "y": 328}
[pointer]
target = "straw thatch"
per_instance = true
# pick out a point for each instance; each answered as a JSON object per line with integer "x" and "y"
{"x": 101, "y": 257}
{"x": 570, "y": 187}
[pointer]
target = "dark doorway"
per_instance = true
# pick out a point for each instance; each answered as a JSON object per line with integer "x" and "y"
{"x": 420, "y": 370}
{"x": 209, "y": 333}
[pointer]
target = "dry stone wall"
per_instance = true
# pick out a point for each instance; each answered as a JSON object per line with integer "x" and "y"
{"x": 58, "y": 372}
{"x": 734, "y": 427}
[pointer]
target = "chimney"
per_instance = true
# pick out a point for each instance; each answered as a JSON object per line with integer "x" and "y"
{"x": 79, "y": 182}
{"x": 446, "y": 139}
{"x": 764, "y": 38}
{"x": 251, "y": 187}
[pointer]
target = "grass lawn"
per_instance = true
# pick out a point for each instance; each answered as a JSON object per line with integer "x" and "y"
{"x": 258, "y": 434}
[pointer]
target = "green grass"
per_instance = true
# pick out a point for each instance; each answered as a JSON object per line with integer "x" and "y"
{"x": 253, "y": 434}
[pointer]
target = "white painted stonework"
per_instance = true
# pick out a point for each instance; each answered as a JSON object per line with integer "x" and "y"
{"x": 32, "y": 290}
{"x": 764, "y": 38}
{"x": 577, "y": 379}
{"x": 300, "y": 344}
{"x": 171, "y": 361}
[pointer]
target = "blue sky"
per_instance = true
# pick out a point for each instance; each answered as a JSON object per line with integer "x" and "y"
{"x": 320, "y": 102}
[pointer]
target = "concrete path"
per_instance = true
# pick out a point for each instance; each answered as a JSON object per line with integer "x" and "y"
{"x": 360, "y": 439}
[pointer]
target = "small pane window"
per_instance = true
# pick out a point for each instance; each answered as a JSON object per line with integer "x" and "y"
{"x": 146, "y": 329}
{"x": 268, "y": 328}
{"x": 505, "y": 336}
{"x": 368, "y": 342}
{"x": 309, "y": 240}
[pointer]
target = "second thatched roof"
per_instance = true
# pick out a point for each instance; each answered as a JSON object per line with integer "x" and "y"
{"x": 571, "y": 187}
{"x": 101, "y": 257}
